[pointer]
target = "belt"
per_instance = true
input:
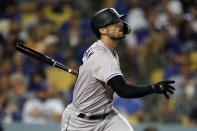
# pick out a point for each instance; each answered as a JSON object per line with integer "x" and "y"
{"x": 93, "y": 117}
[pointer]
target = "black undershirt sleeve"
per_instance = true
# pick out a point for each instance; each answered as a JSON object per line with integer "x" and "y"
{"x": 125, "y": 90}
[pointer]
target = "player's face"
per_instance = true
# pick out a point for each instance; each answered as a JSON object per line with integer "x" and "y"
{"x": 115, "y": 31}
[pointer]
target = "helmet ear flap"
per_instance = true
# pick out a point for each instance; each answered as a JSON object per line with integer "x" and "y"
{"x": 95, "y": 30}
{"x": 97, "y": 33}
{"x": 126, "y": 28}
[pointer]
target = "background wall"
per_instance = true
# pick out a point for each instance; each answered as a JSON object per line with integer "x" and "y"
{"x": 56, "y": 127}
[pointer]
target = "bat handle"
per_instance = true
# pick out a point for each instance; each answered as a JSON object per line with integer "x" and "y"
{"x": 63, "y": 67}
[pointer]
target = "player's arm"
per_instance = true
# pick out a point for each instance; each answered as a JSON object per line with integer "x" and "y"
{"x": 125, "y": 90}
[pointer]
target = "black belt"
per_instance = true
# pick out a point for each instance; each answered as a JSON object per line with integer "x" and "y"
{"x": 93, "y": 117}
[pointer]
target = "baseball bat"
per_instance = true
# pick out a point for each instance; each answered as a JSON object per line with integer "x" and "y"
{"x": 44, "y": 58}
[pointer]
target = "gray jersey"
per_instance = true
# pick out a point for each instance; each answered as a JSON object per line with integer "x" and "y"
{"x": 91, "y": 94}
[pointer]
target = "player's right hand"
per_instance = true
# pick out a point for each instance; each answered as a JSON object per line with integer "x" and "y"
{"x": 163, "y": 87}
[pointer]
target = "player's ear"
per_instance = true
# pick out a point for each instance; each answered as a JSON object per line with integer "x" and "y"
{"x": 103, "y": 31}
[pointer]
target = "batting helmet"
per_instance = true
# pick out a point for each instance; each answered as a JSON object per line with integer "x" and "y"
{"x": 105, "y": 17}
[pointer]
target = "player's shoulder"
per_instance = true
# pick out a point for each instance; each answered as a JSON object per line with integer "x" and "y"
{"x": 98, "y": 47}
{"x": 97, "y": 52}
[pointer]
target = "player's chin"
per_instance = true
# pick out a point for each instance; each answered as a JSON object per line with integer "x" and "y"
{"x": 118, "y": 38}
{"x": 121, "y": 36}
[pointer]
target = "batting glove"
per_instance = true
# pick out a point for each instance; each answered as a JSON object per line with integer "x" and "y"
{"x": 163, "y": 87}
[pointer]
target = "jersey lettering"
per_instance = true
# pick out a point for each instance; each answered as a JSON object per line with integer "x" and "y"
{"x": 88, "y": 53}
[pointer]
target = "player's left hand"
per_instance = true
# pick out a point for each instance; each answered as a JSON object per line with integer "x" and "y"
{"x": 163, "y": 87}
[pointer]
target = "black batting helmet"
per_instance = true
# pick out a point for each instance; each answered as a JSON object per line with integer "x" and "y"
{"x": 105, "y": 17}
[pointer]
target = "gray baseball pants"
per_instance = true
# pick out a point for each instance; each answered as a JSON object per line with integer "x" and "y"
{"x": 113, "y": 122}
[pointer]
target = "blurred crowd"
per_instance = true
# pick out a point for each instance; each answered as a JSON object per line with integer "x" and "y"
{"x": 162, "y": 46}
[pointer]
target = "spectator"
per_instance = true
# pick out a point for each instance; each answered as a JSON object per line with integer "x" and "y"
{"x": 166, "y": 110}
{"x": 193, "y": 117}
{"x": 193, "y": 11}
{"x": 17, "y": 95}
{"x": 6, "y": 68}
{"x": 11, "y": 38}
{"x": 51, "y": 43}
{"x": 187, "y": 35}
{"x": 42, "y": 109}
{"x": 3, "y": 105}
{"x": 136, "y": 18}
{"x": 40, "y": 17}
{"x": 20, "y": 64}
{"x": 36, "y": 37}
{"x": 132, "y": 109}
{"x": 74, "y": 34}
{"x": 9, "y": 10}
{"x": 170, "y": 15}
{"x": 185, "y": 92}
{"x": 38, "y": 76}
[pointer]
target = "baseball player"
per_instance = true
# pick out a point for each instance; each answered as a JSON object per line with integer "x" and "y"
{"x": 100, "y": 76}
